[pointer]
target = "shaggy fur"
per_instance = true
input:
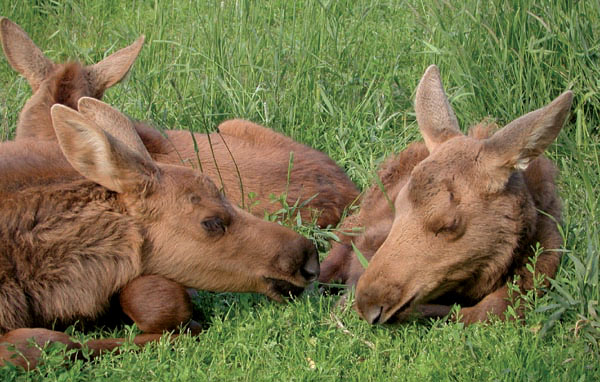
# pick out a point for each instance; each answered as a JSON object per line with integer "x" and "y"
{"x": 81, "y": 248}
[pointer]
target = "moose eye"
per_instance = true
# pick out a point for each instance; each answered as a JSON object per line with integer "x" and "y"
{"x": 195, "y": 199}
{"x": 214, "y": 226}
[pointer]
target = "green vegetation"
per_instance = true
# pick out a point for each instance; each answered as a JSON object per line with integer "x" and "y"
{"x": 340, "y": 76}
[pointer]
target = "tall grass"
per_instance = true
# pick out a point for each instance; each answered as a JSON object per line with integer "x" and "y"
{"x": 340, "y": 76}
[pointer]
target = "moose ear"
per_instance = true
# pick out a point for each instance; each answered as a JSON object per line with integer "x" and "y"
{"x": 435, "y": 116}
{"x": 23, "y": 55}
{"x": 113, "y": 68}
{"x": 98, "y": 156}
{"x": 113, "y": 122}
{"x": 525, "y": 138}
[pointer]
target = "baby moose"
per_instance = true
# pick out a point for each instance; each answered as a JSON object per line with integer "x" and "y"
{"x": 111, "y": 220}
{"x": 467, "y": 214}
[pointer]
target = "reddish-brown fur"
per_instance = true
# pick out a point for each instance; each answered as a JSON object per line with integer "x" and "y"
{"x": 261, "y": 155}
{"x": 69, "y": 242}
{"x": 155, "y": 303}
{"x": 464, "y": 217}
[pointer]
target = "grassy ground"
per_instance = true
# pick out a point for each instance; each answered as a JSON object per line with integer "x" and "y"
{"x": 340, "y": 76}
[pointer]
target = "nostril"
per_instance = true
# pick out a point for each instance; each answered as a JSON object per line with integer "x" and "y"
{"x": 311, "y": 268}
{"x": 375, "y": 315}
{"x": 309, "y": 273}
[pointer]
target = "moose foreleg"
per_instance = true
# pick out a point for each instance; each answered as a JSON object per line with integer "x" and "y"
{"x": 494, "y": 303}
{"x": 157, "y": 304}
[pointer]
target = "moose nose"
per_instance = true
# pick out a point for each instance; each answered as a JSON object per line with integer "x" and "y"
{"x": 369, "y": 302}
{"x": 311, "y": 269}
{"x": 373, "y": 314}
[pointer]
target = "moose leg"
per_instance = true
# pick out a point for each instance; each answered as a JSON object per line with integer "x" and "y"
{"x": 157, "y": 304}
{"x": 19, "y": 346}
{"x": 432, "y": 310}
{"x": 498, "y": 301}
{"x": 335, "y": 266}
{"x": 494, "y": 303}
{"x": 547, "y": 263}
{"x": 22, "y": 347}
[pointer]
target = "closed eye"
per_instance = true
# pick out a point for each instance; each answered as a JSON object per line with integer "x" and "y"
{"x": 214, "y": 226}
{"x": 452, "y": 230}
{"x": 449, "y": 227}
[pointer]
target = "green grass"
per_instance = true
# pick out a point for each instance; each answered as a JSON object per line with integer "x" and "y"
{"x": 340, "y": 76}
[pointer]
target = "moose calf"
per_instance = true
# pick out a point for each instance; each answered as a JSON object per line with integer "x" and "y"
{"x": 101, "y": 217}
{"x": 467, "y": 212}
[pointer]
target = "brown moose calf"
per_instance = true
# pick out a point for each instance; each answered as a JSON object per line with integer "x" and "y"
{"x": 467, "y": 211}
{"x": 243, "y": 155}
{"x": 69, "y": 242}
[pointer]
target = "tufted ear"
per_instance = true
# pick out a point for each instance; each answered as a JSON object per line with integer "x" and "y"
{"x": 23, "y": 55}
{"x": 98, "y": 156}
{"x": 525, "y": 138}
{"x": 113, "y": 68}
{"x": 113, "y": 122}
{"x": 435, "y": 116}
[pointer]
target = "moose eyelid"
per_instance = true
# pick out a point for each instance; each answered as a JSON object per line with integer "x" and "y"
{"x": 215, "y": 225}
{"x": 448, "y": 226}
